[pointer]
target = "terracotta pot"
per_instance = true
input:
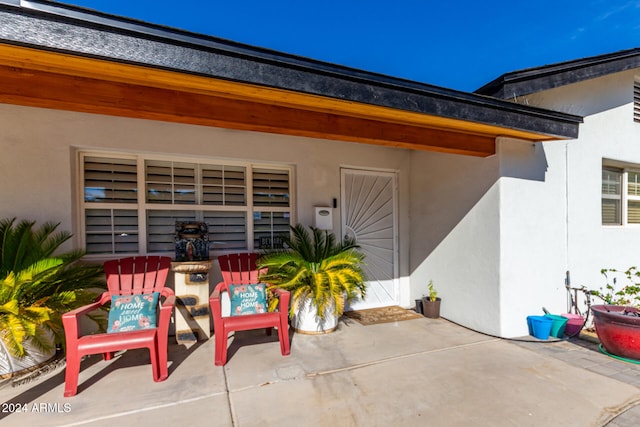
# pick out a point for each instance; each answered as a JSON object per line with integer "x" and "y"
{"x": 431, "y": 309}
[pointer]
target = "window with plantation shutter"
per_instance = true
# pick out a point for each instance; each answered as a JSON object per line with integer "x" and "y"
{"x": 269, "y": 227}
{"x": 109, "y": 180}
{"x": 111, "y": 188}
{"x": 170, "y": 183}
{"x": 111, "y": 231}
{"x": 270, "y": 187}
{"x": 633, "y": 197}
{"x": 620, "y": 195}
{"x": 611, "y": 196}
{"x": 227, "y": 229}
{"x": 131, "y": 203}
{"x": 161, "y": 228}
{"x": 224, "y": 185}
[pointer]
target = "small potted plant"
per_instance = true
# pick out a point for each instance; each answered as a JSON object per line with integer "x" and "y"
{"x": 431, "y": 303}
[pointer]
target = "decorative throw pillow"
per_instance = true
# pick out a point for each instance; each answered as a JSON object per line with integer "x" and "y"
{"x": 133, "y": 312}
{"x": 248, "y": 299}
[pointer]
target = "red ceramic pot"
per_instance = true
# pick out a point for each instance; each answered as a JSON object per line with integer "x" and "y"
{"x": 618, "y": 329}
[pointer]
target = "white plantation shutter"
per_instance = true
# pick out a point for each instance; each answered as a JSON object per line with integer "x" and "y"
{"x": 633, "y": 212}
{"x": 169, "y": 182}
{"x": 633, "y": 197}
{"x": 611, "y": 196}
{"x": 227, "y": 230}
{"x": 271, "y": 187}
{"x": 224, "y": 185}
{"x": 112, "y": 231}
{"x": 161, "y": 228}
{"x": 268, "y": 229}
{"x": 110, "y": 180}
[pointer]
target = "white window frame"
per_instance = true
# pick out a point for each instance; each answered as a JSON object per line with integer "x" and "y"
{"x": 142, "y": 205}
{"x": 625, "y": 197}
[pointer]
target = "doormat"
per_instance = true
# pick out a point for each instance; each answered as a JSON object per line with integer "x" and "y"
{"x": 374, "y": 316}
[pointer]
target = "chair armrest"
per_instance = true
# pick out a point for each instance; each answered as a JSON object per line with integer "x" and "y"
{"x": 217, "y": 291}
{"x": 281, "y": 292}
{"x": 216, "y": 303}
{"x": 283, "y": 298}
{"x": 99, "y": 302}
{"x": 71, "y": 318}
{"x": 166, "y": 308}
{"x": 169, "y": 297}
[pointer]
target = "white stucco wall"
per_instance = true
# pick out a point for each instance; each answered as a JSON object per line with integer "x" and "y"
{"x": 455, "y": 242}
{"x": 38, "y": 149}
{"x": 550, "y": 197}
{"x": 533, "y": 232}
{"x": 608, "y": 132}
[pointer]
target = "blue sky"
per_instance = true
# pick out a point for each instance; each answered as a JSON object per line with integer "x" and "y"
{"x": 456, "y": 44}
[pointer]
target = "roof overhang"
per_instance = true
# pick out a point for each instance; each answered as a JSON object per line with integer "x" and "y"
{"x": 61, "y": 57}
{"x": 531, "y": 80}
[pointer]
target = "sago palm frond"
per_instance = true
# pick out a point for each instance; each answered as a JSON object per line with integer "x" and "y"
{"x": 12, "y": 335}
{"x": 36, "y": 288}
{"x": 316, "y": 266}
{"x": 22, "y": 245}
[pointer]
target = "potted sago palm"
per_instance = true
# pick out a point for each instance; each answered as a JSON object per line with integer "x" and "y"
{"x": 36, "y": 288}
{"x": 321, "y": 272}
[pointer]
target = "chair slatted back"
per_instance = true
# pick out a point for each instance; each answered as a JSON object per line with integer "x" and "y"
{"x": 137, "y": 275}
{"x": 239, "y": 269}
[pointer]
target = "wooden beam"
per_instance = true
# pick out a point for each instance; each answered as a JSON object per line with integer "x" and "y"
{"x": 61, "y": 91}
{"x": 71, "y": 65}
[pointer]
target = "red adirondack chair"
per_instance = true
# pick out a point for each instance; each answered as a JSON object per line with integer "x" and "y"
{"x": 240, "y": 269}
{"x": 127, "y": 276}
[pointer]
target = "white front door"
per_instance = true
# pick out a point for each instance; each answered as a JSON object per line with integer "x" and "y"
{"x": 368, "y": 203}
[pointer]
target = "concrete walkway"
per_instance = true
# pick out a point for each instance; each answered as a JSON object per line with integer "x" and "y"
{"x": 415, "y": 372}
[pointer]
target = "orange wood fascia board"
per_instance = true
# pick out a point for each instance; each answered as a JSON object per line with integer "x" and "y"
{"x": 54, "y": 62}
{"x": 47, "y": 90}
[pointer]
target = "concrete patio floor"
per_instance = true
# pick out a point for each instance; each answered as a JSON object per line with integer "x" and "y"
{"x": 415, "y": 372}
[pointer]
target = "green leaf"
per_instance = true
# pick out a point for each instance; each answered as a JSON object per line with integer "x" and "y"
{"x": 318, "y": 266}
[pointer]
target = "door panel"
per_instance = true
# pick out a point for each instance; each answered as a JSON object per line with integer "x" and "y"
{"x": 369, "y": 216}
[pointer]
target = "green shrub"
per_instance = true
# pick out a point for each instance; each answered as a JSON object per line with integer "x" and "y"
{"x": 36, "y": 287}
{"x": 628, "y": 295}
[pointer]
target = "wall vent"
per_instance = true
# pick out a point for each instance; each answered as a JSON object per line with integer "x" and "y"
{"x": 636, "y": 101}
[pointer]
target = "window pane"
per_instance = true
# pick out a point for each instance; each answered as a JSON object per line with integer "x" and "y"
{"x": 227, "y": 230}
{"x": 111, "y": 231}
{"x": 611, "y": 181}
{"x": 170, "y": 182}
{"x": 633, "y": 212}
{"x": 161, "y": 229}
{"x": 110, "y": 180}
{"x": 611, "y": 212}
{"x": 224, "y": 185}
{"x": 633, "y": 183}
{"x": 270, "y": 187}
{"x": 268, "y": 228}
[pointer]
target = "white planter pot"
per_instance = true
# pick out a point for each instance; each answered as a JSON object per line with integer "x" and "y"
{"x": 306, "y": 320}
{"x": 10, "y": 365}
